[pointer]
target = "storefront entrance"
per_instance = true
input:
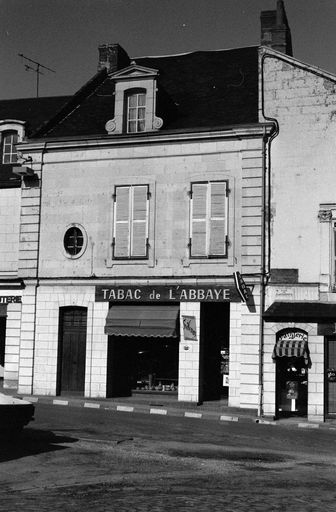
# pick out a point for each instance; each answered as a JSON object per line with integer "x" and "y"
{"x": 292, "y": 386}
{"x": 215, "y": 349}
{"x": 292, "y": 358}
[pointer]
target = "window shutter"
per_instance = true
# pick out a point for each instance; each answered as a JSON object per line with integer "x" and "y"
{"x": 218, "y": 219}
{"x": 139, "y": 221}
{"x": 122, "y": 222}
{"x": 198, "y": 219}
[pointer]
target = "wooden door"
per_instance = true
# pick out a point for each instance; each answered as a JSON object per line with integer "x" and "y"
{"x": 72, "y": 350}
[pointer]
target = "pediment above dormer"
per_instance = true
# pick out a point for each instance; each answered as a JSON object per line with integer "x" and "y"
{"x": 134, "y": 71}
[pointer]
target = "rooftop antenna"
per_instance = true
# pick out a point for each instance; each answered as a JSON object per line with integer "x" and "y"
{"x": 36, "y": 70}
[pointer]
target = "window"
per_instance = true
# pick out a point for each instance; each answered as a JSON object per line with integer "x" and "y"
{"x": 208, "y": 219}
{"x": 131, "y": 206}
{"x": 74, "y": 241}
{"x": 9, "y": 141}
{"x": 136, "y": 111}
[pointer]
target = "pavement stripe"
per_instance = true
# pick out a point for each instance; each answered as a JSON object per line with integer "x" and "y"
{"x": 125, "y": 408}
{"x": 193, "y": 415}
{"x": 228, "y": 418}
{"x": 158, "y": 411}
{"x": 60, "y": 402}
{"x": 92, "y": 405}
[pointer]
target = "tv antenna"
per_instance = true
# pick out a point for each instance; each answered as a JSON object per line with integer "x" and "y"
{"x": 36, "y": 69}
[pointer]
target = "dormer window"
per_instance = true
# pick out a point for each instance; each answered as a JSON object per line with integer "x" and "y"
{"x": 9, "y": 141}
{"x": 136, "y": 111}
{"x": 134, "y": 101}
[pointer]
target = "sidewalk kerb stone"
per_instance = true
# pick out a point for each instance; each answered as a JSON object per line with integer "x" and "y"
{"x": 163, "y": 412}
{"x": 125, "y": 408}
{"x": 193, "y": 414}
{"x": 223, "y": 417}
{"x": 33, "y": 399}
{"x": 92, "y": 405}
{"x": 60, "y": 402}
{"x": 308, "y": 425}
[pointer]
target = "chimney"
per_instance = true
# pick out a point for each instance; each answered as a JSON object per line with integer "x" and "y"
{"x": 275, "y": 31}
{"x": 112, "y": 57}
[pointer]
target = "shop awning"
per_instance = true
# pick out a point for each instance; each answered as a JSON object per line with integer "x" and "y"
{"x": 301, "y": 312}
{"x": 142, "y": 320}
{"x": 292, "y": 348}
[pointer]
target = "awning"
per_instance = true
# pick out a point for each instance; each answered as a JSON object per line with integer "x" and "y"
{"x": 300, "y": 311}
{"x": 142, "y": 320}
{"x": 292, "y": 348}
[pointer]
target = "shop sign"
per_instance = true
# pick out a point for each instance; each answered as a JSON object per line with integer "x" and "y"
{"x": 293, "y": 334}
{"x": 241, "y": 287}
{"x": 8, "y": 299}
{"x": 189, "y": 327}
{"x": 177, "y": 293}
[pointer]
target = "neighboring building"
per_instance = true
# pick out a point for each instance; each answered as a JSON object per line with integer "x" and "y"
{"x": 18, "y": 119}
{"x": 156, "y": 184}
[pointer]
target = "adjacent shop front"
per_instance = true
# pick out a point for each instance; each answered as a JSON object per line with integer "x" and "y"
{"x": 303, "y": 340}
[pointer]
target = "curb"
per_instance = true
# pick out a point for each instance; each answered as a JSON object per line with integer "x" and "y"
{"x": 171, "y": 411}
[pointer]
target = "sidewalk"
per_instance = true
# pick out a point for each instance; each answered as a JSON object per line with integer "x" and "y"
{"x": 168, "y": 406}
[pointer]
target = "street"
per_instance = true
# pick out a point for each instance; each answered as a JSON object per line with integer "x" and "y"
{"x": 73, "y": 459}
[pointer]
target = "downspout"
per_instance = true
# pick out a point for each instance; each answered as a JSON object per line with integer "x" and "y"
{"x": 265, "y": 235}
{"x": 38, "y": 257}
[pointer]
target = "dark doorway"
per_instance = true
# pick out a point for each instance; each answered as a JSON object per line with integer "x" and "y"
{"x": 215, "y": 347}
{"x": 330, "y": 384}
{"x": 141, "y": 364}
{"x": 291, "y": 386}
{"x": 2, "y": 341}
{"x": 72, "y": 350}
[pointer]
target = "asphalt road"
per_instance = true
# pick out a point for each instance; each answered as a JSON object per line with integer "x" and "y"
{"x": 75, "y": 459}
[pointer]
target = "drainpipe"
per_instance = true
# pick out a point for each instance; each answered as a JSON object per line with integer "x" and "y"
{"x": 265, "y": 235}
{"x": 38, "y": 258}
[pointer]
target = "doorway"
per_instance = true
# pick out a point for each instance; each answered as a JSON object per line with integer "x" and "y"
{"x": 291, "y": 386}
{"x": 215, "y": 350}
{"x": 71, "y": 351}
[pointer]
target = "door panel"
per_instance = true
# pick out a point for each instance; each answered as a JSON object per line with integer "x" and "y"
{"x": 330, "y": 376}
{"x": 72, "y": 352}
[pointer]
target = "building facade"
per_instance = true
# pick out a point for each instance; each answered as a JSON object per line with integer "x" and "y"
{"x": 146, "y": 198}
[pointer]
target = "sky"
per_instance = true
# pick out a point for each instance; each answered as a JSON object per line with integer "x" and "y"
{"x": 64, "y": 35}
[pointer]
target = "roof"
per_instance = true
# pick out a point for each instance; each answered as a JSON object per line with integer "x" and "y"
{"x": 34, "y": 111}
{"x": 204, "y": 89}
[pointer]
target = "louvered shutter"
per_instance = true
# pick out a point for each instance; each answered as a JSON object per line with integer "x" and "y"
{"x": 217, "y": 219}
{"x": 122, "y": 222}
{"x": 139, "y": 221}
{"x": 199, "y": 219}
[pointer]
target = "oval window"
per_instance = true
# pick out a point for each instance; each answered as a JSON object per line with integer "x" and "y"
{"x": 74, "y": 241}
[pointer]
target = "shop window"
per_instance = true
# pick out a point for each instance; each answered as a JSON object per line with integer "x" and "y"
{"x": 9, "y": 152}
{"x": 130, "y": 230}
{"x": 74, "y": 241}
{"x": 208, "y": 219}
{"x": 135, "y": 111}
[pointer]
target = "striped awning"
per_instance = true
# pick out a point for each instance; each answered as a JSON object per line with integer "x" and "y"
{"x": 143, "y": 320}
{"x": 292, "y": 348}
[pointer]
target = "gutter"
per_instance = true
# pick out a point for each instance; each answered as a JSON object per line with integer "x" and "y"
{"x": 265, "y": 236}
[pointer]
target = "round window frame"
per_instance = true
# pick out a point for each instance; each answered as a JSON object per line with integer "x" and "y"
{"x": 85, "y": 241}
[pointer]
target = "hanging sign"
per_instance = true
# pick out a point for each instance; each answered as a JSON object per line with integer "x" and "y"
{"x": 189, "y": 328}
{"x": 241, "y": 287}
